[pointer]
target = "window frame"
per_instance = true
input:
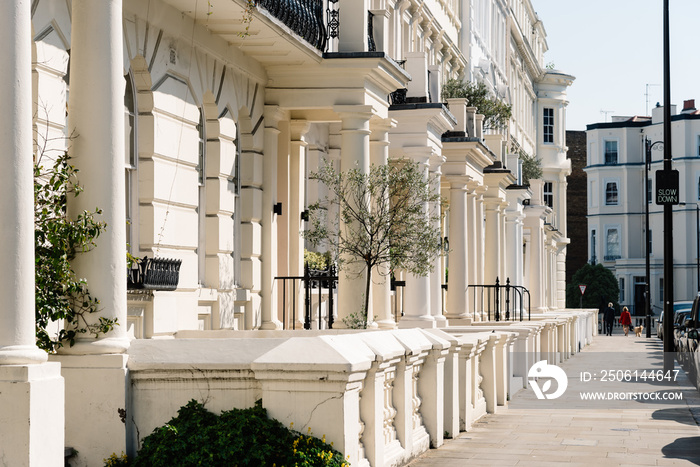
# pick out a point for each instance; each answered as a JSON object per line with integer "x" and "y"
{"x": 605, "y": 152}
{"x": 548, "y": 195}
{"x": 616, "y": 184}
{"x": 609, "y": 254}
{"x": 548, "y": 125}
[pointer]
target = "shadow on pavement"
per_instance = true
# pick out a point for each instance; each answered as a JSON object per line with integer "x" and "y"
{"x": 684, "y": 448}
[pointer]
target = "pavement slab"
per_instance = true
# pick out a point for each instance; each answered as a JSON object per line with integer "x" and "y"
{"x": 635, "y": 431}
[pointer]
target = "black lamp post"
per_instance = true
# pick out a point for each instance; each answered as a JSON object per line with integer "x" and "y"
{"x": 668, "y": 208}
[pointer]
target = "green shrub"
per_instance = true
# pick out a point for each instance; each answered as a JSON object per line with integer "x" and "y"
{"x": 236, "y": 437}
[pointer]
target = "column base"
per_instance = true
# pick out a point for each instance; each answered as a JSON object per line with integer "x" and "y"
{"x": 107, "y": 345}
{"x": 463, "y": 320}
{"x": 409, "y": 322}
{"x": 32, "y": 415}
{"x": 96, "y": 391}
{"x": 386, "y": 324}
{"x": 441, "y": 321}
{"x": 22, "y": 355}
{"x": 272, "y": 326}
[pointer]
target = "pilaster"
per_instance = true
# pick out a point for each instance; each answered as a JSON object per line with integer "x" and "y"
{"x": 270, "y": 320}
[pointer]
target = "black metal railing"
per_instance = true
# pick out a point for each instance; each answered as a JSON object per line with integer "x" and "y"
{"x": 489, "y": 301}
{"x": 371, "y": 46}
{"x": 312, "y": 280}
{"x": 304, "y": 17}
{"x": 154, "y": 274}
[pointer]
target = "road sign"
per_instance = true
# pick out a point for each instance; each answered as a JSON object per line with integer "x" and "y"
{"x": 667, "y": 187}
{"x": 583, "y": 289}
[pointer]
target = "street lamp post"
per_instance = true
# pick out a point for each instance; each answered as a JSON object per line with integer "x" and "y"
{"x": 668, "y": 208}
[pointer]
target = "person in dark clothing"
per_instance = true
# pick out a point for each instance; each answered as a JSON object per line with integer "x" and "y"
{"x": 609, "y": 319}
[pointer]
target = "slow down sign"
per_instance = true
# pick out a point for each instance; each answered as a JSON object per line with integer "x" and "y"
{"x": 666, "y": 187}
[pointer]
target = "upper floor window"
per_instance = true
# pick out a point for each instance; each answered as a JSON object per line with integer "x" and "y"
{"x": 698, "y": 187}
{"x": 611, "y": 198}
{"x": 698, "y": 146}
{"x": 593, "y": 247}
{"x": 612, "y": 244}
{"x": 611, "y": 152}
{"x": 548, "y": 194}
{"x": 648, "y": 190}
{"x": 548, "y": 125}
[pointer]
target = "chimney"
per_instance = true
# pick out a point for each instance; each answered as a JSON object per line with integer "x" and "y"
{"x": 689, "y": 106}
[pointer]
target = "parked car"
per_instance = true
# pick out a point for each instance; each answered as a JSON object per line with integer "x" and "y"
{"x": 677, "y": 306}
{"x": 691, "y": 343}
{"x": 679, "y": 330}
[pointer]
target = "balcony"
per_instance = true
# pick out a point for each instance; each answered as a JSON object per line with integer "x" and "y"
{"x": 304, "y": 17}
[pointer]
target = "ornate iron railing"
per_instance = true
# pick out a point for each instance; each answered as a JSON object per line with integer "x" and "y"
{"x": 154, "y": 274}
{"x": 493, "y": 297}
{"x": 312, "y": 280}
{"x": 304, "y": 17}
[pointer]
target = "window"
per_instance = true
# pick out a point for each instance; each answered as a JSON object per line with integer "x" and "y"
{"x": 661, "y": 290}
{"x": 612, "y": 244}
{"x": 698, "y": 187}
{"x": 130, "y": 161}
{"x": 548, "y": 125}
{"x": 610, "y": 152}
{"x": 593, "y": 247}
{"x": 611, "y": 198}
{"x": 649, "y": 191}
{"x": 548, "y": 194}
{"x": 698, "y": 153}
{"x": 621, "y": 281}
{"x": 649, "y": 242}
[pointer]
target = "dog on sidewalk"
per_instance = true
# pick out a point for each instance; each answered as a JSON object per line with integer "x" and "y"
{"x": 638, "y": 330}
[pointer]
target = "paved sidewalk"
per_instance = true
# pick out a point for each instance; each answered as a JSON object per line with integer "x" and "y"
{"x": 568, "y": 431}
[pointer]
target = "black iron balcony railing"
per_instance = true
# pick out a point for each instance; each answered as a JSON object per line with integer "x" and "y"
{"x": 154, "y": 274}
{"x": 304, "y": 17}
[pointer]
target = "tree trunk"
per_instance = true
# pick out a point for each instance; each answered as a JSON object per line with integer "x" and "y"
{"x": 369, "y": 281}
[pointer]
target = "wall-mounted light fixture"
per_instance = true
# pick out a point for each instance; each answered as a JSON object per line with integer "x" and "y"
{"x": 305, "y": 215}
{"x": 277, "y": 209}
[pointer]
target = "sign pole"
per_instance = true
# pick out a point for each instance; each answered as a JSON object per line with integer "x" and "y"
{"x": 668, "y": 207}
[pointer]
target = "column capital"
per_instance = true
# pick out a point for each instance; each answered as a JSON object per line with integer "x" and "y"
{"x": 298, "y": 129}
{"x": 273, "y": 115}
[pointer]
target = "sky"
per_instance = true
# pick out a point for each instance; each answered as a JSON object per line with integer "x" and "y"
{"x": 614, "y": 48}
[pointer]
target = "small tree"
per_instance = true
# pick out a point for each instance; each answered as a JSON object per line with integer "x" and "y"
{"x": 381, "y": 219}
{"x": 496, "y": 112}
{"x": 532, "y": 167}
{"x": 601, "y": 287}
{"x": 60, "y": 294}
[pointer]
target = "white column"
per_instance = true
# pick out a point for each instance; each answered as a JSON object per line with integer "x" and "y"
{"x": 417, "y": 291}
{"x": 492, "y": 240}
{"x": 479, "y": 234}
{"x": 31, "y": 391}
{"x": 438, "y": 273}
{"x": 96, "y": 119}
{"x": 354, "y": 154}
{"x": 269, "y": 305}
{"x": 536, "y": 264}
{"x": 514, "y": 247}
{"x": 458, "y": 276}
{"x": 297, "y": 187}
{"x": 471, "y": 246}
{"x": 381, "y": 281}
{"x": 17, "y": 333}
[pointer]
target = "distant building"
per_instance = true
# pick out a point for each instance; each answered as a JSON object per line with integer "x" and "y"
{"x": 616, "y": 210}
{"x": 577, "y": 196}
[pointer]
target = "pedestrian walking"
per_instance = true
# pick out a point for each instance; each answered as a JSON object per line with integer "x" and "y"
{"x": 625, "y": 320}
{"x": 609, "y": 319}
